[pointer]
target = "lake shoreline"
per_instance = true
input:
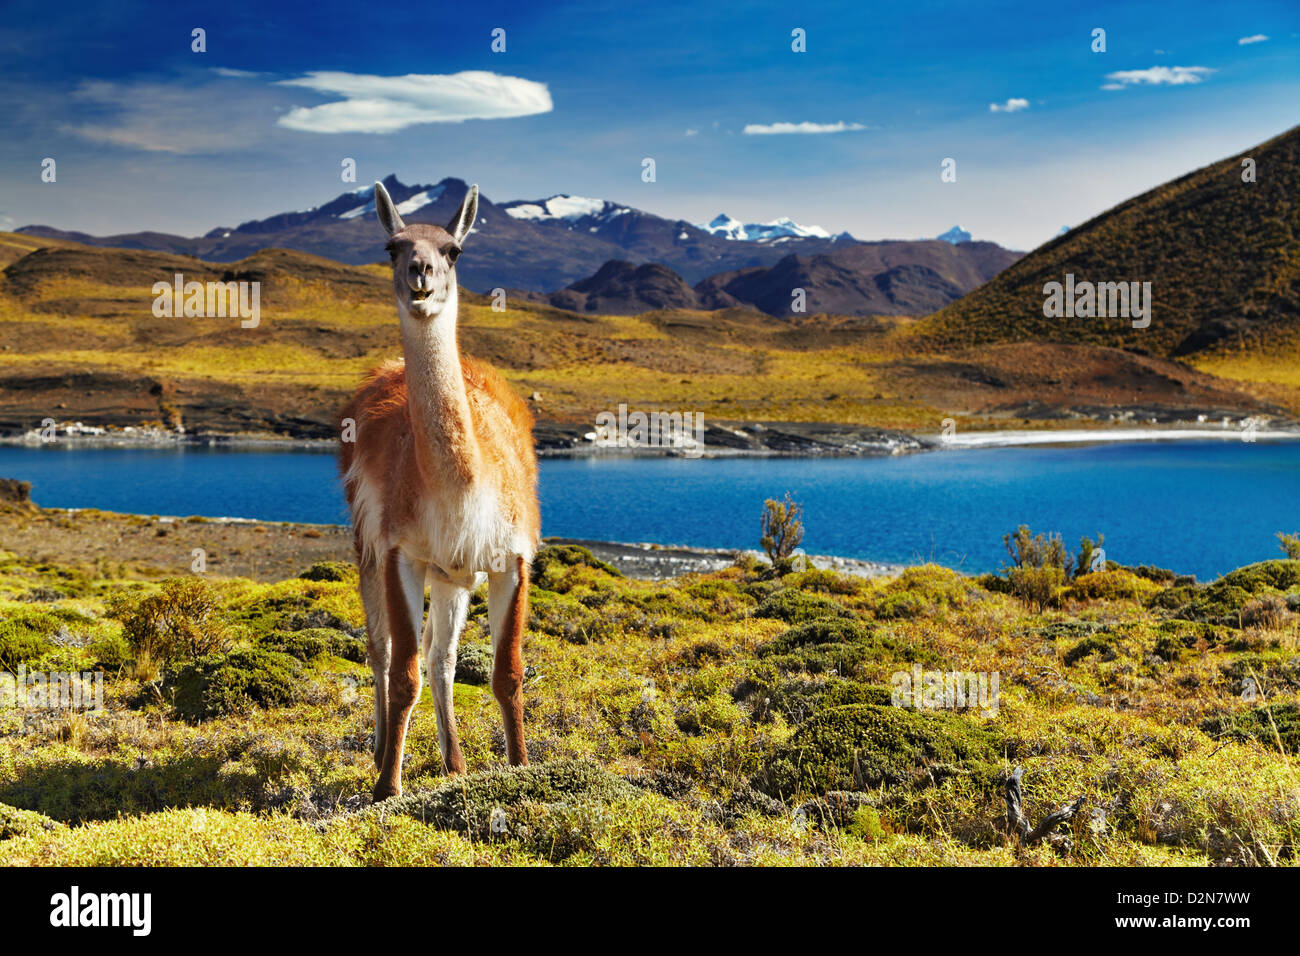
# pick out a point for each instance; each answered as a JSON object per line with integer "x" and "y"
{"x": 160, "y": 545}
{"x": 751, "y": 440}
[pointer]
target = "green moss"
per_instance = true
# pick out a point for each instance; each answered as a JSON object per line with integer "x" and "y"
{"x": 837, "y": 644}
{"x": 111, "y": 651}
{"x": 330, "y": 571}
{"x": 555, "y": 807}
{"x": 926, "y": 591}
{"x": 1255, "y": 724}
{"x": 553, "y": 566}
{"x": 474, "y": 664}
{"x": 1279, "y": 575}
{"x": 233, "y": 683}
{"x": 866, "y": 825}
{"x": 17, "y": 823}
{"x": 567, "y": 618}
{"x": 1222, "y": 601}
{"x": 866, "y": 745}
{"x": 1059, "y": 630}
{"x": 825, "y": 630}
{"x": 311, "y": 643}
{"x": 1110, "y": 585}
{"x": 20, "y": 644}
{"x": 795, "y": 606}
{"x": 1087, "y": 646}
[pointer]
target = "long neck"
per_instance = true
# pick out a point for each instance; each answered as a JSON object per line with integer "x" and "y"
{"x": 445, "y": 445}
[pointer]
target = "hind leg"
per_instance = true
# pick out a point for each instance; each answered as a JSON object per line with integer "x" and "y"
{"x": 508, "y": 613}
{"x": 377, "y": 650}
{"x": 448, "y": 605}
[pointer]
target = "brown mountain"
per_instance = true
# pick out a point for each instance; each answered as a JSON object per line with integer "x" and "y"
{"x": 511, "y": 250}
{"x": 1222, "y": 256}
{"x": 870, "y": 278}
{"x": 867, "y": 278}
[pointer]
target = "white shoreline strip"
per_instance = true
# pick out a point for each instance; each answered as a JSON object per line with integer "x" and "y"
{"x": 1102, "y": 436}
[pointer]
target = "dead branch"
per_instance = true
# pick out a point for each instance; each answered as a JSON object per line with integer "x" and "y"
{"x": 1019, "y": 824}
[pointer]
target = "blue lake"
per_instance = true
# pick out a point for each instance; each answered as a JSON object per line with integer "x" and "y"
{"x": 1199, "y": 507}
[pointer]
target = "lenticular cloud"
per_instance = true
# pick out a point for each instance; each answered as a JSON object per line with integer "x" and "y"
{"x": 386, "y": 104}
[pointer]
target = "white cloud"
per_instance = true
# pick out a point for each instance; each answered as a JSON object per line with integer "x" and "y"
{"x": 1013, "y": 105}
{"x": 386, "y": 104}
{"x": 156, "y": 117}
{"x": 1256, "y": 38}
{"x": 692, "y": 132}
{"x": 237, "y": 74}
{"x": 772, "y": 129}
{"x": 1157, "y": 76}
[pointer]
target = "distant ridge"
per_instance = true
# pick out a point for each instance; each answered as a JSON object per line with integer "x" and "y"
{"x": 859, "y": 279}
{"x": 1222, "y": 256}
{"x": 538, "y": 246}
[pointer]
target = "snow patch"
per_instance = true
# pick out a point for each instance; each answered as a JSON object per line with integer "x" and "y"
{"x": 783, "y": 228}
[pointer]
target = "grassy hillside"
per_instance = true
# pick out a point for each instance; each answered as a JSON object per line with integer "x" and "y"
{"x": 79, "y": 341}
{"x": 1222, "y": 255}
{"x": 741, "y": 717}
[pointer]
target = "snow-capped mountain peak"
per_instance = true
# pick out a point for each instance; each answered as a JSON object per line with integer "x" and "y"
{"x": 955, "y": 235}
{"x": 723, "y": 225}
{"x": 404, "y": 208}
{"x": 783, "y": 228}
{"x": 569, "y": 208}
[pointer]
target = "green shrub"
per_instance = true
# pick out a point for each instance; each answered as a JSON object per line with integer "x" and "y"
{"x": 535, "y": 802}
{"x": 1083, "y": 563}
{"x": 233, "y": 683}
{"x": 1063, "y": 629}
{"x": 781, "y": 528}
{"x": 18, "y": 823}
{"x": 474, "y": 664}
{"x": 1028, "y": 550}
{"x": 21, "y": 642}
{"x": 1036, "y": 587}
{"x": 554, "y": 562}
{"x": 330, "y": 571}
{"x": 794, "y": 606}
{"x": 1290, "y": 545}
{"x": 925, "y": 591}
{"x": 1255, "y": 724}
{"x": 311, "y": 643}
{"x": 866, "y": 825}
{"x": 1111, "y": 585}
{"x": 184, "y": 620}
{"x": 861, "y": 746}
{"x": 836, "y": 644}
{"x": 1087, "y": 646}
{"x": 1278, "y": 575}
{"x": 823, "y": 630}
{"x": 111, "y": 651}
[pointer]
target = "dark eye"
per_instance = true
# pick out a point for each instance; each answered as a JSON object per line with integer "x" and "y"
{"x": 453, "y": 252}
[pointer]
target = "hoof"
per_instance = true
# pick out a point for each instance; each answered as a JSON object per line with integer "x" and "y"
{"x": 383, "y": 792}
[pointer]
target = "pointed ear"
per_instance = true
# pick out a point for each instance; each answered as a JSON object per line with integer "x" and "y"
{"x": 463, "y": 221}
{"x": 388, "y": 217}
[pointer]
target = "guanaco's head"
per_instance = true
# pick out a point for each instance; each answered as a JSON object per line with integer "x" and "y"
{"x": 424, "y": 256}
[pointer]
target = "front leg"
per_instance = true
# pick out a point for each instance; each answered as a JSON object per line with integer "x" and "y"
{"x": 507, "y": 614}
{"x": 404, "y": 606}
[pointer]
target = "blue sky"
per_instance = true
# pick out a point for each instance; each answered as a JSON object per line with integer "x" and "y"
{"x": 150, "y": 135}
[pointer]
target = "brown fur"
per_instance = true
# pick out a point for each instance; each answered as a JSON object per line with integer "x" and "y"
{"x": 439, "y": 439}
